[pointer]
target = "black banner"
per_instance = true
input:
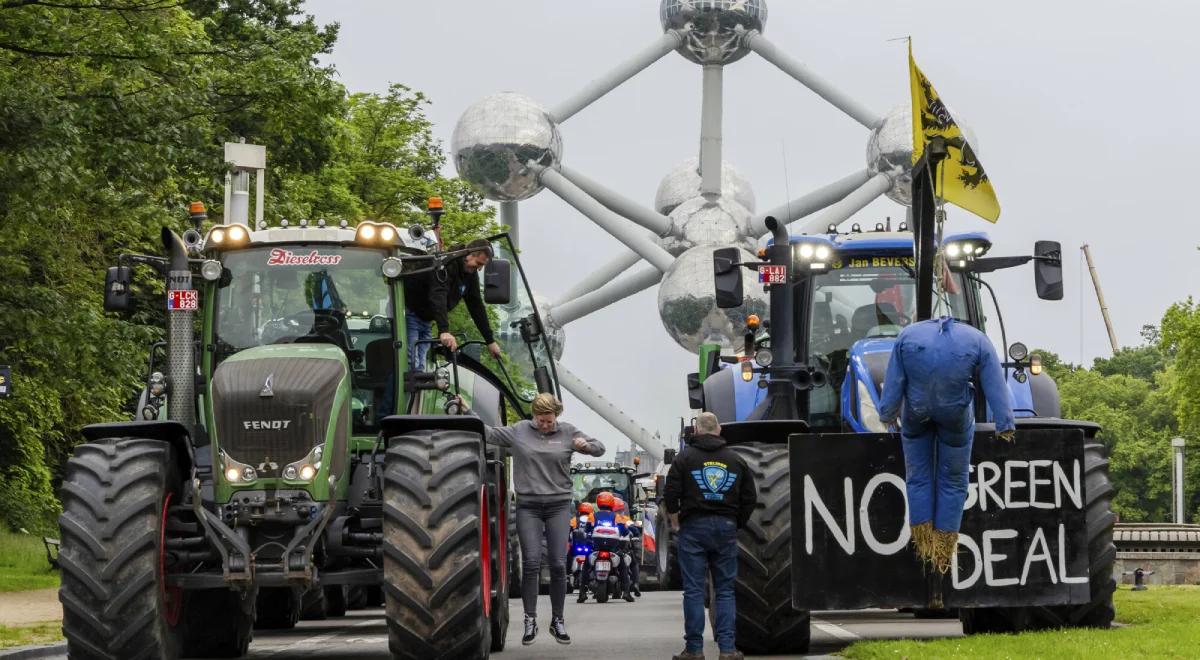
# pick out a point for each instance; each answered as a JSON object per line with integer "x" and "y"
{"x": 1023, "y": 539}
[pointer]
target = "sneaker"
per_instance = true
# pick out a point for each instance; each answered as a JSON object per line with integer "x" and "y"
{"x": 689, "y": 655}
{"x": 582, "y": 597}
{"x": 628, "y": 597}
{"x": 637, "y": 590}
{"x": 530, "y": 630}
{"x": 731, "y": 655}
{"x": 558, "y": 629}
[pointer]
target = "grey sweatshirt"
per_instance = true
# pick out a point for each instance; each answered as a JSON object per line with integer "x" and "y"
{"x": 542, "y": 462}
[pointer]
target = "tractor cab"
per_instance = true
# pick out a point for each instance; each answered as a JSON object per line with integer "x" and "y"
{"x": 590, "y": 479}
{"x": 852, "y": 294}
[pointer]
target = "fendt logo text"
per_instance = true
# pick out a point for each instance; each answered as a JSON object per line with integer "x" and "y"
{"x": 267, "y": 424}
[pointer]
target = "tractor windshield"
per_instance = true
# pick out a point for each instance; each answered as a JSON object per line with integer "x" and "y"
{"x": 314, "y": 294}
{"x": 585, "y": 486}
{"x": 862, "y": 298}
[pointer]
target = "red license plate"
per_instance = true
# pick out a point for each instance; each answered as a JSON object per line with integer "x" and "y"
{"x": 183, "y": 299}
{"x": 771, "y": 274}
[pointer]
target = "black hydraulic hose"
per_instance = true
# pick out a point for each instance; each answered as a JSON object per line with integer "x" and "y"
{"x": 999, "y": 317}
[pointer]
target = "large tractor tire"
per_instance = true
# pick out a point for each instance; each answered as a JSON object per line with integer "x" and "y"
{"x": 219, "y": 623}
{"x": 313, "y": 606}
{"x": 1101, "y": 553}
{"x": 498, "y": 527}
{"x": 116, "y": 603}
{"x": 278, "y": 608}
{"x": 667, "y": 563}
{"x": 766, "y": 622}
{"x": 436, "y": 547}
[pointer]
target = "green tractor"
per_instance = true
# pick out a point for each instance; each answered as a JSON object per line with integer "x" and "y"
{"x": 286, "y": 455}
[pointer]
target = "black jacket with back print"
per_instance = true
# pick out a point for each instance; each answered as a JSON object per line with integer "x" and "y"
{"x": 708, "y": 477}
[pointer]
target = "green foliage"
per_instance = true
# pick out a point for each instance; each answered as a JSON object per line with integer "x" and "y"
{"x": 38, "y": 633}
{"x": 23, "y": 563}
{"x": 112, "y": 116}
{"x": 1181, "y": 339}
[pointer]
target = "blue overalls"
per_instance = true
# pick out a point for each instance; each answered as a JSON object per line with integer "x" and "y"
{"x": 931, "y": 368}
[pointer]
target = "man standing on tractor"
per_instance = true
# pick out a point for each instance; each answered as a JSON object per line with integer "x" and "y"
{"x": 709, "y": 495}
{"x": 930, "y": 369}
{"x": 431, "y": 296}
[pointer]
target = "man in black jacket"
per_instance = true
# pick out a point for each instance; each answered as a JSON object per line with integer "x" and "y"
{"x": 430, "y": 297}
{"x": 709, "y": 495}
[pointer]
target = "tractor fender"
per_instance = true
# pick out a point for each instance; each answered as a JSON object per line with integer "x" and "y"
{"x": 166, "y": 430}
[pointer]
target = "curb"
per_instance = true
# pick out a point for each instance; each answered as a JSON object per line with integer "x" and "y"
{"x": 23, "y": 652}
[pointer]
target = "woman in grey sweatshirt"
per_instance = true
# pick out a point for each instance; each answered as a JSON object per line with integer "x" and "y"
{"x": 541, "y": 454}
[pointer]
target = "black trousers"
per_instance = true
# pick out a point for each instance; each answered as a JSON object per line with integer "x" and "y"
{"x": 549, "y": 523}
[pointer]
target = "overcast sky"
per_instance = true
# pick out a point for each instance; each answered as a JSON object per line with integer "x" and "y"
{"x": 1086, "y": 117}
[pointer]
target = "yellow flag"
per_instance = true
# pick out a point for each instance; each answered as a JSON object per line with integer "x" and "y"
{"x": 960, "y": 174}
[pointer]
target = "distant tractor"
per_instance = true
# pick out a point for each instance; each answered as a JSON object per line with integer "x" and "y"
{"x": 800, "y": 404}
{"x": 286, "y": 455}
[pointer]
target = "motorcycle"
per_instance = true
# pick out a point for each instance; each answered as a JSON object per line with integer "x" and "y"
{"x": 577, "y": 560}
{"x": 605, "y": 561}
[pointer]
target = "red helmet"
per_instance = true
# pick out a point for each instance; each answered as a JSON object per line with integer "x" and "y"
{"x": 585, "y": 507}
{"x": 619, "y": 505}
{"x": 605, "y": 500}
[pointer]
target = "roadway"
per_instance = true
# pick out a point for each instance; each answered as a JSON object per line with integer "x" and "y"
{"x": 649, "y": 628}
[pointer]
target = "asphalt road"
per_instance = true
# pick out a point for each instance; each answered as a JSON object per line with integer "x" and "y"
{"x": 652, "y": 627}
{"x": 649, "y": 628}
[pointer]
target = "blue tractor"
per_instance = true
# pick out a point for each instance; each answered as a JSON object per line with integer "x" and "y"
{"x": 800, "y": 403}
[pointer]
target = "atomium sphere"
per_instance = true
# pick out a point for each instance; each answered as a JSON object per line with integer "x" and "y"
{"x": 713, "y": 28}
{"x": 889, "y": 150}
{"x": 683, "y": 183}
{"x": 556, "y": 335}
{"x": 890, "y": 147}
{"x": 497, "y": 137}
{"x": 721, "y": 222}
{"x": 688, "y": 307}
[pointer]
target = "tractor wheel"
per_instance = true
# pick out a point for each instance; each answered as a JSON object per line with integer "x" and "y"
{"x": 669, "y": 576}
{"x": 356, "y": 598}
{"x": 436, "y": 566}
{"x": 498, "y": 527}
{"x": 337, "y": 600}
{"x": 278, "y": 608}
{"x": 313, "y": 606}
{"x": 1101, "y": 554}
{"x": 766, "y": 622}
{"x": 116, "y": 603}
{"x": 219, "y": 624}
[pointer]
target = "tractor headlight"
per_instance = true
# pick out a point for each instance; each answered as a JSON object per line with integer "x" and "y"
{"x": 211, "y": 270}
{"x": 375, "y": 233}
{"x": 236, "y": 472}
{"x": 963, "y": 249}
{"x": 387, "y": 233}
{"x": 1035, "y": 365}
{"x": 217, "y": 236}
{"x": 823, "y": 252}
{"x": 806, "y": 251}
{"x": 306, "y": 468}
{"x": 392, "y": 267}
{"x": 1018, "y": 351}
{"x": 812, "y": 254}
{"x": 366, "y": 232}
{"x": 764, "y": 357}
{"x": 953, "y": 250}
{"x": 237, "y": 233}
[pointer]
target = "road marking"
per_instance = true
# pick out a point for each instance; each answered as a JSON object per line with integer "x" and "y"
{"x": 312, "y": 642}
{"x": 834, "y": 630}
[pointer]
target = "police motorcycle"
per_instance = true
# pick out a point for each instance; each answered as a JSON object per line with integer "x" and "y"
{"x": 605, "y": 561}
{"x": 580, "y": 550}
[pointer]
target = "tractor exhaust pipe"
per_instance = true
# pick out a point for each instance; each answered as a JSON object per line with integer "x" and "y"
{"x": 181, "y": 352}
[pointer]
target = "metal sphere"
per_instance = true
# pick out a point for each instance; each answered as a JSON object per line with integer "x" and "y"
{"x": 688, "y": 308}
{"x": 683, "y": 183}
{"x": 890, "y": 147}
{"x": 701, "y": 222}
{"x": 497, "y": 137}
{"x": 889, "y": 150}
{"x": 556, "y": 335}
{"x": 713, "y": 28}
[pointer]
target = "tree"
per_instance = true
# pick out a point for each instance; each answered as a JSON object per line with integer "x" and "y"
{"x": 1181, "y": 340}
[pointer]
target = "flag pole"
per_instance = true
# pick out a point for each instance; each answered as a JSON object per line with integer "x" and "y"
{"x": 925, "y": 214}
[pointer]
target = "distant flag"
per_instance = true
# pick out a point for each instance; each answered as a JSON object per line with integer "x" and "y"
{"x": 966, "y": 184}
{"x": 649, "y": 542}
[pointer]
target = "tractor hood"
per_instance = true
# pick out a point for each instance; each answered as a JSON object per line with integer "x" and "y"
{"x": 273, "y": 404}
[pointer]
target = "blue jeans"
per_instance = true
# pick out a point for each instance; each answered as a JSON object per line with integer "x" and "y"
{"x": 708, "y": 543}
{"x": 937, "y": 460}
{"x": 418, "y": 330}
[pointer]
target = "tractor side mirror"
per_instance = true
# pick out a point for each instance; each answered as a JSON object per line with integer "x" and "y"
{"x": 117, "y": 296}
{"x": 497, "y": 282}
{"x": 668, "y": 456}
{"x": 727, "y": 276}
{"x": 695, "y": 392}
{"x": 1047, "y": 270}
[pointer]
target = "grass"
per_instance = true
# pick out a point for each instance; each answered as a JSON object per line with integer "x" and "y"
{"x": 1163, "y": 622}
{"x": 23, "y": 563}
{"x": 37, "y": 633}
